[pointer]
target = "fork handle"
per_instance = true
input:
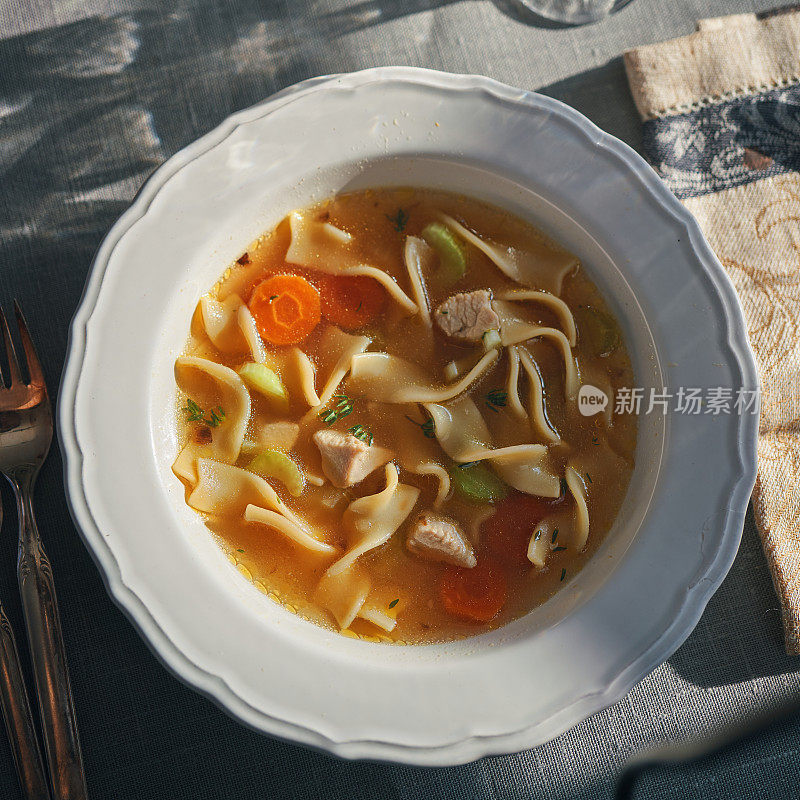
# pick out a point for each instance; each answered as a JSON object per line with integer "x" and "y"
{"x": 46, "y": 643}
{"x": 18, "y": 718}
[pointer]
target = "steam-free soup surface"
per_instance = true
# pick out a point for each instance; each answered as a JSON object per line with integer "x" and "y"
{"x": 379, "y": 415}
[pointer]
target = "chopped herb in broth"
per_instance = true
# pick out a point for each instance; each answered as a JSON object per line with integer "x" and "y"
{"x": 379, "y": 408}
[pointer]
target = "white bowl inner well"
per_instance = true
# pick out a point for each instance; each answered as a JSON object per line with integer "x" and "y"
{"x": 239, "y": 226}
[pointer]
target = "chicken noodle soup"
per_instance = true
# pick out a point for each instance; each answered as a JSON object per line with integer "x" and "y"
{"x": 380, "y": 421}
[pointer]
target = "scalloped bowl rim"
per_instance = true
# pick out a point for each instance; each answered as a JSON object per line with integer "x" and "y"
{"x": 666, "y": 640}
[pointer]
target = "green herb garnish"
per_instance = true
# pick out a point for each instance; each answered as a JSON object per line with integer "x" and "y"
{"x": 240, "y": 550}
{"x": 467, "y": 464}
{"x": 428, "y": 430}
{"x": 555, "y": 536}
{"x": 559, "y": 548}
{"x": 588, "y": 477}
{"x": 394, "y": 603}
{"x": 217, "y": 415}
{"x": 497, "y": 398}
{"x": 197, "y": 414}
{"x": 362, "y": 433}
{"x": 342, "y": 406}
{"x": 194, "y": 411}
{"x": 399, "y": 220}
{"x": 563, "y": 573}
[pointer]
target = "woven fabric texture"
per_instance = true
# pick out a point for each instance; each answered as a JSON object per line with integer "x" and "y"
{"x": 733, "y": 160}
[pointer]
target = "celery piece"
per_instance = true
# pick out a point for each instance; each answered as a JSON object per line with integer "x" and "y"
{"x": 597, "y": 331}
{"x": 274, "y": 464}
{"x": 477, "y": 483}
{"x": 452, "y": 252}
{"x": 264, "y": 380}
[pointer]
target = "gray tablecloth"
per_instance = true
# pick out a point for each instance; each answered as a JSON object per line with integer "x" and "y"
{"x": 94, "y": 95}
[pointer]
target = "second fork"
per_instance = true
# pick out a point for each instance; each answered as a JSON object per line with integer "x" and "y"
{"x": 26, "y": 430}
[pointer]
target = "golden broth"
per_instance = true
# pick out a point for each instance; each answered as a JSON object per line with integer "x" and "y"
{"x": 286, "y": 572}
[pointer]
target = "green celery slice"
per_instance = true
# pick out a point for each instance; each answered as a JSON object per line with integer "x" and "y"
{"x": 266, "y": 381}
{"x": 274, "y": 464}
{"x": 477, "y": 483}
{"x": 451, "y": 251}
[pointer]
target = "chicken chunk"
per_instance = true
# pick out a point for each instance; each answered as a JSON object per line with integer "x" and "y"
{"x": 439, "y": 538}
{"x": 467, "y": 315}
{"x": 346, "y": 460}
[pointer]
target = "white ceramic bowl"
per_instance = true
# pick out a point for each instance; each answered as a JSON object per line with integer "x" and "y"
{"x": 626, "y": 612}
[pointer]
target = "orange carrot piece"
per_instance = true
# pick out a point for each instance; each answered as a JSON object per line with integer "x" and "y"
{"x": 506, "y": 534}
{"x": 351, "y": 301}
{"x": 286, "y": 308}
{"x": 475, "y": 595}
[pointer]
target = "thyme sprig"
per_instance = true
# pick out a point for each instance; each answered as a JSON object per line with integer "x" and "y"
{"x": 496, "y": 399}
{"x": 197, "y": 414}
{"x": 341, "y": 404}
{"x": 428, "y": 429}
{"x": 399, "y": 220}
{"x": 362, "y": 433}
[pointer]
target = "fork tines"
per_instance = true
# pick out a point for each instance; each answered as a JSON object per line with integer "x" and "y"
{"x": 34, "y": 368}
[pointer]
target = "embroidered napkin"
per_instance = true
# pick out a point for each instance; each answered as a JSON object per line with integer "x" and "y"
{"x": 721, "y": 111}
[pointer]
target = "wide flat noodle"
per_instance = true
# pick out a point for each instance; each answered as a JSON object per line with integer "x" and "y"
{"x": 390, "y": 379}
{"x": 211, "y": 384}
{"x": 555, "y": 304}
{"x": 231, "y": 327}
{"x": 529, "y": 471}
{"x": 221, "y": 323}
{"x": 542, "y": 269}
{"x": 321, "y": 246}
{"x": 185, "y": 465}
{"x": 255, "y": 343}
{"x": 567, "y": 527}
{"x": 513, "y": 401}
{"x": 227, "y": 490}
{"x": 377, "y": 617}
{"x": 341, "y": 349}
{"x": 419, "y": 256}
{"x": 441, "y": 474}
{"x": 464, "y": 436}
{"x": 370, "y": 521}
{"x": 577, "y": 488}
{"x": 305, "y": 375}
{"x": 343, "y": 594}
{"x": 279, "y": 435}
{"x": 291, "y": 530}
{"x": 514, "y": 330}
{"x": 536, "y": 414}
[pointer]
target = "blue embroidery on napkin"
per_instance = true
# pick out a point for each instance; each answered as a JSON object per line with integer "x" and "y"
{"x": 726, "y": 145}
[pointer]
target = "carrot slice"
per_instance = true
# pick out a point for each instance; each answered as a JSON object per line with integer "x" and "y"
{"x": 351, "y": 301}
{"x": 286, "y": 308}
{"x": 476, "y": 594}
{"x": 506, "y": 534}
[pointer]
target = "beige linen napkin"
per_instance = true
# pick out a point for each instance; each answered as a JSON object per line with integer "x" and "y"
{"x": 721, "y": 112}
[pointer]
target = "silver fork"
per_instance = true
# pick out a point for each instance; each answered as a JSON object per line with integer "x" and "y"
{"x": 17, "y": 714}
{"x": 26, "y": 429}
